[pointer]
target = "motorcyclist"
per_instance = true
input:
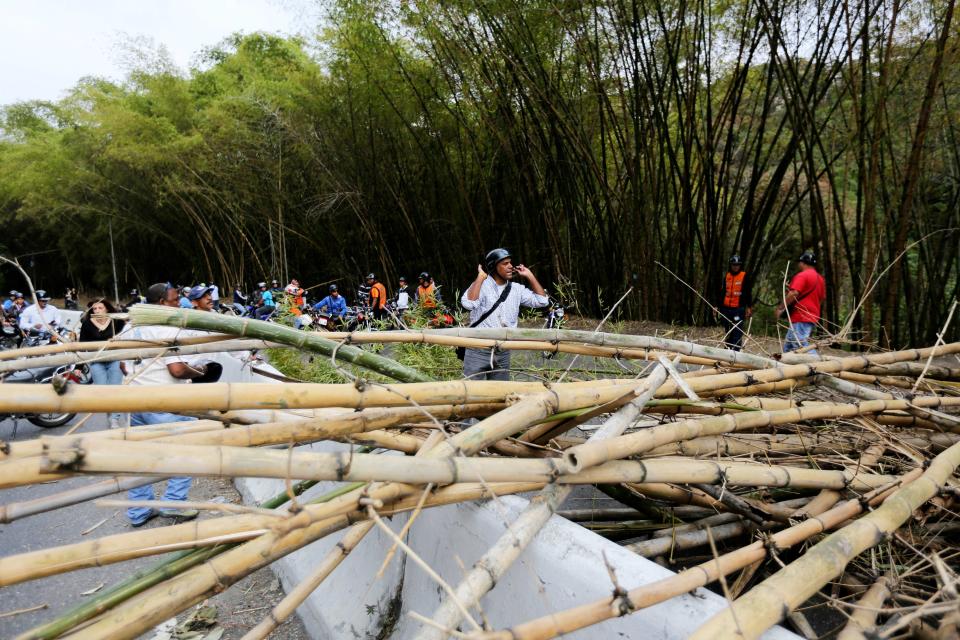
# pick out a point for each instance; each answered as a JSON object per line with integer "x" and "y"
{"x": 41, "y": 316}
{"x": 184, "y": 298}
{"x": 335, "y": 305}
{"x": 267, "y": 305}
{"x": 239, "y": 300}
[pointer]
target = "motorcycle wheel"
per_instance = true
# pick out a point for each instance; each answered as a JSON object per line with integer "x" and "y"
{"x": 50, "y": 420}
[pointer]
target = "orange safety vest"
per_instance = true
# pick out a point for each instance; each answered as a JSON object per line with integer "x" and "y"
{"x": 426, "y": 297}
{"x": 734, "y": 289}
{"x": 378, "y": 296}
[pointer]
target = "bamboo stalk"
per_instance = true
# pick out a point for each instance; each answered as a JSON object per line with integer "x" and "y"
{"x": 92, "y": 455}
{"x": 72, "y": 347}
{"x": 592, "y": 453}
{"x": 35, "y": 398}
{"x": 764, "y": 605}
{"x": 864, "y": 616}
{"x": 140, "y": 353}
{"x": 644, "y": 596}
{"x": 145, "y": 314}
{"x": 501, "y": 555}
{"x": 17, "y": 510}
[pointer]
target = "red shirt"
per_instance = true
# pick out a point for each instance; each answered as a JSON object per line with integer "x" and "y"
{"x": 811, "y": 290}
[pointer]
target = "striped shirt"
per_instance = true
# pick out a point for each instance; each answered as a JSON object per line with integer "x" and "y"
{"x": 508, "y": 313}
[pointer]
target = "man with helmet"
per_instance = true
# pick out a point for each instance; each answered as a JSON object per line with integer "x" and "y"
{"x": 334, "y": 303}
{"x": 41, "y": 315}
{"x": 266, "y": 303}
{"x": 426, "y": 295}
{"x": 736, "y": 307}
{"x": 494, "y": 302}
{"x": 377, "y": 297}
{"x": 805, "y": 294}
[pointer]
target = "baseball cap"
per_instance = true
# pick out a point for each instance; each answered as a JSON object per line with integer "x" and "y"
{"x": 198, "y": 292}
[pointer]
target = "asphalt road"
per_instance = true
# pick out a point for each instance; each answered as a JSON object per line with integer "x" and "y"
{"x": 239, "y": 608}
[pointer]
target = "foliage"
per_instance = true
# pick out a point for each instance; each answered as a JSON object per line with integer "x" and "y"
{"x": 605, "y": 141}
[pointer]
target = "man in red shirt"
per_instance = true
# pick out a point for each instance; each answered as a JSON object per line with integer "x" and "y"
{"x": 806, "y": 292}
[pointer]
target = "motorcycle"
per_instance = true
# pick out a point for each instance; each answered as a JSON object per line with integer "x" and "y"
{"x": 10, "y": 336}
{"x": 70, "y": 374}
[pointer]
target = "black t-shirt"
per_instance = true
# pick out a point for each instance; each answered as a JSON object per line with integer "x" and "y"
{"x": 90, "y": 332}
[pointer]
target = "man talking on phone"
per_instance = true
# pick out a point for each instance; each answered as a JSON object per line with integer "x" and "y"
{"x": 494, "y": 303}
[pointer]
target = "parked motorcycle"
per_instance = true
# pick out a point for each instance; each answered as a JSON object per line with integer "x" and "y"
{"x": 70, "y": 374}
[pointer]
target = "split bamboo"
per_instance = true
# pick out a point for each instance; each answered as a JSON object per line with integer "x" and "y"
{"x": 766, "y": 604}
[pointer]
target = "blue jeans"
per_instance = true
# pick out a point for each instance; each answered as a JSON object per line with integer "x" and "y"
{"x": 107, "y": 373}
{"x": 176, "y": 487}
{"x": 798, "y": 335}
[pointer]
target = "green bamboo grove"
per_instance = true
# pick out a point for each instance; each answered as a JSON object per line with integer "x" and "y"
{"x": 404, "y": 136}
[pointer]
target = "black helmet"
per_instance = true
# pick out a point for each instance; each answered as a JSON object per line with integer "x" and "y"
{"x": 402, "y": 279}
{"x": 808, "y": 257}
{"x": 735, "y": 259}
{"x": 493, "y": 258}
{"x": 42, "y": 295}
{"x": 423, "y": 276}
{"x": 333, "y": 288}
{"x": 371, "y": 276}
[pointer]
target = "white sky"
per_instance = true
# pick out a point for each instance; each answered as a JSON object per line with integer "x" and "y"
{"x": 47, "y": 45}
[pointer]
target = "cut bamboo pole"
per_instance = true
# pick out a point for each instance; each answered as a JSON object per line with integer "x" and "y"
{"x": 863, "y": 620}
{"x": 642, "y": 597}
{"x": 17, "y": 510}
{"x": 116, "y": 343}
{"x": 767, "y": 603}
{"x": 141, "y": 353}
{"x": 94, "y": 455}
{"x": 592, "y": 453}
{"x": 36, "y": 398}
{"x": 148, "y": 314}
{"x": 495, "y": 562}
{"x": 210, "y": 532}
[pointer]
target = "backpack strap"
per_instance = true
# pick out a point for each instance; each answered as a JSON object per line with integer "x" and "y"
{"x": 503, "y": 296}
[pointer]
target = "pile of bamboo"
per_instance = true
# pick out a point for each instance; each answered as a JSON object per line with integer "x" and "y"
{"x": 771, "y": 476}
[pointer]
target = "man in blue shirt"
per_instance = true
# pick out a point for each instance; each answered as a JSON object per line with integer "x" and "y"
{"x": 8, "y": 304}
{"x": 335, "y": 304}
{"x": 267, "y": 305}
{"x": 184, "y": 299}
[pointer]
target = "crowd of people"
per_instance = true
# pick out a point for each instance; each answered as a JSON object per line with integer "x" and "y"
{"x": 493, "y": 300}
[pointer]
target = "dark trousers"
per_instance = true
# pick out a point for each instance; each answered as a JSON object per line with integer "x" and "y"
{"x": 733, "y": 320}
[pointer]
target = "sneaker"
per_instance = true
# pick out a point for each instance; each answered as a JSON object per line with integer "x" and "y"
{"x": 181, "y": 514}
{"x": 150, "y": 516}
{"x": 115, "y": 423}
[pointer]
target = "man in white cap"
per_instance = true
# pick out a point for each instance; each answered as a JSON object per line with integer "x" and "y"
{"x": 40, "y": 316}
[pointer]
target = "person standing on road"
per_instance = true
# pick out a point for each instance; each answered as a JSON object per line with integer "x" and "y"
{"x": 162, "y": 371}
{"x": 736, "y": 307}
{"x": 378, "y": 297}
{"x": 805, "y": 294}
{"x": 494, "y": 302}
{"x": 403, "y": 296}
{"x": 97, "y": 326}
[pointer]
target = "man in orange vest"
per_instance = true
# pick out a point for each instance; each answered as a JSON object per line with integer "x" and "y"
{"x": 737, "y": 305}
{"x": 427, "y": 292}
{"x": 378, "y": 297}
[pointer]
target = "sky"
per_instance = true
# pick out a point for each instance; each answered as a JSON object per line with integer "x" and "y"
{"x": 46, "y": 46}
